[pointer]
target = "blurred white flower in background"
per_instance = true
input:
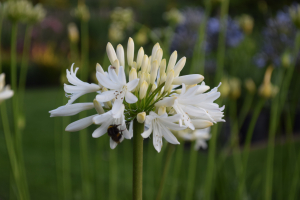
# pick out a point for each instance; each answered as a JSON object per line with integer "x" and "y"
{"x": 5, "y": 91}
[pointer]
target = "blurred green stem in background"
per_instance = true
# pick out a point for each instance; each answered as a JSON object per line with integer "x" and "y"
{"x": 222, "y": 41}
{"x": 1, "y": 22}
{"x": 113, "y": 174}
{"x": 191, "y": 172}
{"x": 177, "y": 167}
{"x": 198, "y": 59}
{"x": 245, "y": 109}
{"x": 247, "y": 144}
{"x": 18, "y": 136}
{"x": 137, "y": 173}
{"x": 276, "y": 110}
{"x": 24, "y": 67}
{"x": 171, "y": 148}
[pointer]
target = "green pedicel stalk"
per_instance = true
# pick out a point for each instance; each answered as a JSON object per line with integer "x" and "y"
{"x": 137, "y": 180}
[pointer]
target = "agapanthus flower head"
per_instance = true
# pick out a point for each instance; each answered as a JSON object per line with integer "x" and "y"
{"x": 278, "y": 37}
{"x": 17, "y": 10}
{"x": 81, "y": 12}
{"x": 294, "y": 11}
{"x": 5, "y": 91}
{"x": 37, "y": 14}
{"x": 173, "y": 16}
{"x": 148, "y": 96}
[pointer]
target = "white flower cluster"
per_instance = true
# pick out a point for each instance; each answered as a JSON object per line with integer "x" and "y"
{"x": 149, "y": 96}
{"x": 5, "y": 91}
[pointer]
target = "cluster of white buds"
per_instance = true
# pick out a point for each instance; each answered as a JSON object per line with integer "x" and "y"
{"x": 5, "y": 91}
{"x": 24, "y": 11}
{"x": 81, "y": 12}
{"x": 150, "y": 96}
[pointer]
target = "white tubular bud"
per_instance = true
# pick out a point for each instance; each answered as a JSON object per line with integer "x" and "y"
{"x": 153, "y": 74}
{"x": 148, "y": 78}
{"x": 154, "y": 50}
{"x": 134, "y": 65}
{"x": 120, "y": 55}
{"x": 145, "y": 64}
{"x": 179, "y": 66}
{"x": 142, "y": 77}
{"x": 161, "y": 110}
{"x": 159, "y": 55}
{"x": 153, "y": 88}
{"x": 163, "y": 78}
{"x": 143, "y": 89}
{"x": 168, "y": 84}
{"x": 116, "y": 65}
{"x": 149, "y": 64}
{"x": 98, "y": 107}
{"x": 162, "y": 67}
{"x": 132, "y": 74}
{"x": 189, "y": 86}
{"x": 201, "y": 123}
{"x": 188, "y": 79}
{"x": 112, "y": 56}
{"x": 130, "y": 51}
{"x": 139, "y": 59}
{"x": 172, "y": 61}
{"x": 99, "y": 69}
{"x": 141, "y": 117}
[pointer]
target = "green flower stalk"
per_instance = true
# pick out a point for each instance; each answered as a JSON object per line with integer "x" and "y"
{"x": 147, "y": 104}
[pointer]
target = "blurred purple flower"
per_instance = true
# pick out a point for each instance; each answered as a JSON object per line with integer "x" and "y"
{"x": 52, "y": 23}
{"x": 186, "y": 33}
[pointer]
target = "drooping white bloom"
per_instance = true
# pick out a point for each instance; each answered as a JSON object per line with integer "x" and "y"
{"x": 71, "y": 109}
{"x": 191, "y": 104}
{"x": 79, "y": 87}
{"x": 119, "y": 89}
{"x": 200, "y": 135}
{"x": 5, "y": 91}
{"x": 160, "y": 126}
{"x": 107, "y": 119}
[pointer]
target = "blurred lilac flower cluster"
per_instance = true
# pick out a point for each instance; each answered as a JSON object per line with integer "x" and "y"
{"x": 278, "y": 38}
{"x": 186, "y": 33}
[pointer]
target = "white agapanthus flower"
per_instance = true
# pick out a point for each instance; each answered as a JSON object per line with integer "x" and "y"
{"x": 119, "y": 89}
{"x": 78, "y": 87}
{"x": 5, "y": 91}
{"x": 150, "y": 96}
{"x": 200, "y": 135}
{"x": 160, "y": 126}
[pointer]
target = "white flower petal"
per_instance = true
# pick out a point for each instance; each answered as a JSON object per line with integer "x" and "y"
{"x": 113, "y": 144}
{"x": 132, "y": 84}
{"x": 105, "y": 117}
{"x": 105, "y": 96}
{"x": 6, "y": 93}
{"x": 80, "y": 124}
{"x": 167, "y": 101}
{"x": 188, "y": 79}
{"x": 117, "y": 109}
{"x": 113, "y": 76}
{"x": 121, "y": 76}
{"x": 157, "y": 138}
{"x": 147, "y": 133}
{"x": 168, "y": 135}
{"x": 200, "y": 123}
{"x": 106, "y": 82}
{"x": 72, "y": 109}
{"x": 101, "y": 130}
{"x": 130, "y": 98}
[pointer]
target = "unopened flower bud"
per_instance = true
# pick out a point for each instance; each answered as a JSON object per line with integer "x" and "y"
{"x": 98, "y": 107}
{"x": 130, "y": 51}
{"x": 168, "y": 84}
{"x": 154, "y": 50}
{"x": 179, "y": 66}
{"x": 246, "y": 23}
{"x": 162, "y": 67}
{"x": 145, "y": 63}
{"x": 73, "y": 32}
{"x": 143, "y": 89}
{"x": 295, "y": 15}
{"x": 140, "y": 57}
{"x": 153, "y": 87}
{"x": 132, "y": 74}
{"x": 224, "y": 88}
{"x": 172, "y": 61}
{"x": 112, "y": 56}
{"x": 162, "y": 78}
{"x": 235, "y": 88}
{"x": 148, "y": 78}
{"x": 134, "y": 65}
{"x": 153, "y": 74}
{"x": 267, "y": 90}
{"x": 99, "y": 69}
{"x": 250, "y": 86}
{"x": 116, "y": 66}
{"x": 286, "y": 60}
{"x": 120, "y": 55}
{"x": 141, "y": 117}
{"x": 161, "y": 110}
{"x": 158, "y": 56}
{"x": 188, "y": 79}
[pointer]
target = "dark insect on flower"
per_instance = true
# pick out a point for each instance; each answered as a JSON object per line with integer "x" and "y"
{"x": 114, "y": 132}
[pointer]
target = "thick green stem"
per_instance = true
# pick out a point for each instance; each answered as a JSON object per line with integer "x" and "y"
{"x": 249, "y": 134}
{"x": 177, "y": 167}
{"x": 199, "y": 49}
{"x": 171, "y": 149}
{"x": 24, "y": 65}
{"x": 137, "y": 180}
{"x": 191, "y": 173}
{"x": 1, "y": 22}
